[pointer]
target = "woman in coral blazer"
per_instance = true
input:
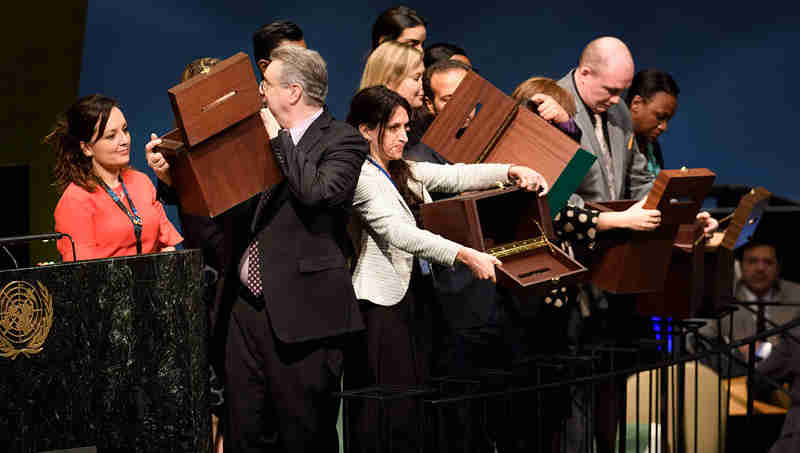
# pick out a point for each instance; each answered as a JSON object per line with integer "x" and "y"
{"x": 108, "y": 208}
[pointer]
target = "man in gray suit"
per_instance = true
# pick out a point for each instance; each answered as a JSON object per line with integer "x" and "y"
{"x": 605, "y": 70}
{"x": 761, "y": 285}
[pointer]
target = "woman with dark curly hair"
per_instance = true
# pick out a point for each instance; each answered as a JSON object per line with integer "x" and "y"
{"x": 107, "y": 207}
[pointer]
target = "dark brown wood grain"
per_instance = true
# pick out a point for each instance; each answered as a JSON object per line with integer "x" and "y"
{"x": 220, "y": 155}
{"x": 700, "y": 279}
{"x": 193, "y": 101}
{"x": 743, "y": 214}
{"x": 682, "y": 295}
{"x": 492, "y": 218}
{"x": 523, "y": 137}
{"x": 719, "y": 262}
{"x": 630, "y": 262}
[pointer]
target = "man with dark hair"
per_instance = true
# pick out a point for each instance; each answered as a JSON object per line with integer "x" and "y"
{"x": 471, "y": 314}
{"x": 447, "y": 75}
{"x": 471, "y": 309}
{"x": 761, "y": 287}
{"x": 760, "y": 269}
{"x": 294, "y": 304}
{"x": 760, "y": 282}
{"x": 444, "y": 51}
{"x": 271, "y": 36}
{"x": 439, "y": 83}
{"x": 266, "y": 39}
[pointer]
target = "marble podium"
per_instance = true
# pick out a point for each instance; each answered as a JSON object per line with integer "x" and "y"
{"x": 107, "y": 354}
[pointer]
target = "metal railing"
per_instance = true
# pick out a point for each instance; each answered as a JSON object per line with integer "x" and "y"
{"x": 550, "y": 402}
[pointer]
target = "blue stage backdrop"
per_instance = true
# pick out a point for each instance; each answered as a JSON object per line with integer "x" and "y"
{"x": 737, "y": 107}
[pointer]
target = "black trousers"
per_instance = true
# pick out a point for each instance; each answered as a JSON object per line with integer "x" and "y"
{"x": 392, "y": 354}
{"x": 280, "y": 397}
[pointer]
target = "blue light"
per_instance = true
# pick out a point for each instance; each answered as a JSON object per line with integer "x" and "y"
{"x": 669, "y": 338}
{"x": 657, "y": 328}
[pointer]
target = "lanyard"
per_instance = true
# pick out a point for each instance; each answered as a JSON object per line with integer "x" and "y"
{"x": 133, "y": 216}
{"x": 425, "y": 266}
{"x": 369, "y": 158}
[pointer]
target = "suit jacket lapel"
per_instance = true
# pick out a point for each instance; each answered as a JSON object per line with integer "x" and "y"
{"x": 582, "y": 116}
{"x": 266, "y": 207}
{"x": 277, "y": 193}
{"x": 584, "y": 119}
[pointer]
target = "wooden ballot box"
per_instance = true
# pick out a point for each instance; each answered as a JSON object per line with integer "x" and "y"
{"x": 741, "y": 227}
{"x": 682, "y": 294}
{"x": 513, "y": 225}
{"x": 504, "y": 132}
{"x": 699, "y": 277}
{"x": 629, "y": 262}
{"x": 219, "y": 154}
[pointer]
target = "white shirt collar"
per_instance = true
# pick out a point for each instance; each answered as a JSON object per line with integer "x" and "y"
{"x": 298, "y": 131}
{"x": 745, "y": 295}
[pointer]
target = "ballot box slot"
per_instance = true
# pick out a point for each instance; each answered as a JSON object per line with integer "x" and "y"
{"x": 533, "y": 272}
{"x": 219, "y": 101}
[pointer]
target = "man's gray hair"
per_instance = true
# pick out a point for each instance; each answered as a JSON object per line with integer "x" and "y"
{"x": 306, "y": 68}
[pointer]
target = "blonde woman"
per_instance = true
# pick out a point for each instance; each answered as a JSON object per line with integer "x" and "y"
{"x": 398, "y": 67}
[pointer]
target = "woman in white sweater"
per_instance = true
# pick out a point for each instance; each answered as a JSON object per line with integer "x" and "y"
{"x": 394, "y": 252}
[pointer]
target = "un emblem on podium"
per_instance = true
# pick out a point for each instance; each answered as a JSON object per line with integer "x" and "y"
{"x": 26, "y": 315}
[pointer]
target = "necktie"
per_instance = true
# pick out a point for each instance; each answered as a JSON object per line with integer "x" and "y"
{"x": 607, "y": 164}
{"x": 285, "y": 140}
{"x": 286, "y": 144}
{"x": 254, "y": 283}
{"x": 254, "y": 268}
{"x": 761, "y": 319}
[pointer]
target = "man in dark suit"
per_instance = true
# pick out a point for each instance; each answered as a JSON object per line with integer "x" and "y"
{"x": 203, "y": 232}
{"x": 469, "y": 306}
{"x": 470, "y": 313}
{"x": 295, "y": 304}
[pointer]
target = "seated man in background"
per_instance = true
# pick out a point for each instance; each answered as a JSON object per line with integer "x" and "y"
{"x": 760, "y": 283}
